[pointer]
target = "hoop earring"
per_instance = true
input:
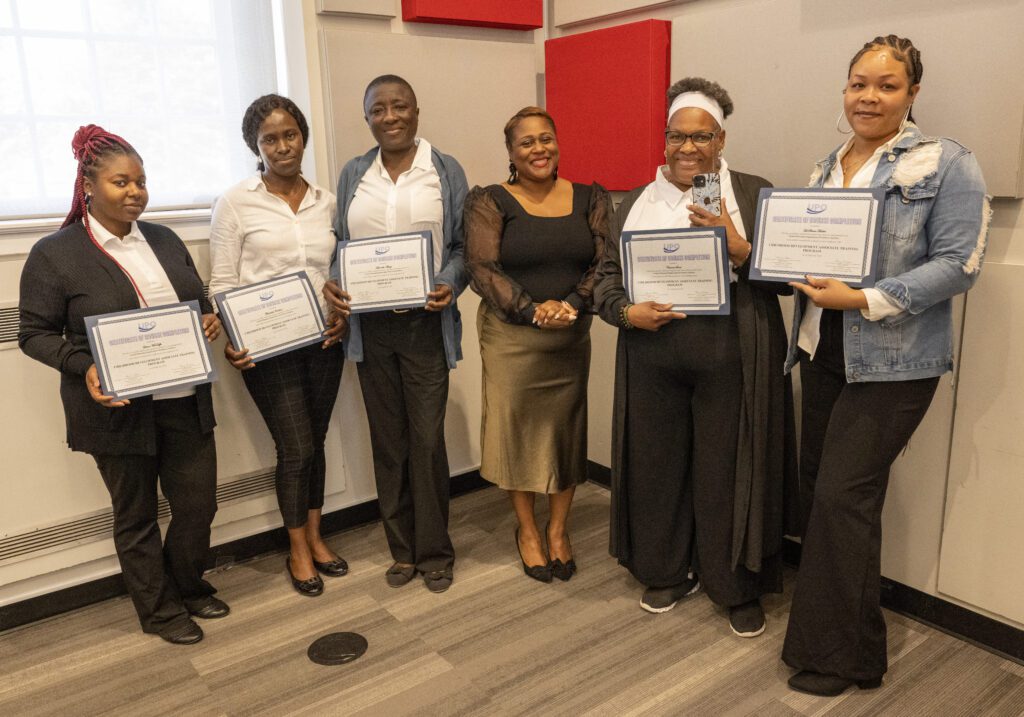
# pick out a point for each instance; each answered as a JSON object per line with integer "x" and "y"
{"x": 513, "y": 175}
{"x": 842, "y": 113}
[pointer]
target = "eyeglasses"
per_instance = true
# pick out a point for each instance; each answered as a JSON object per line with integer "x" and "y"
{"x": 699, "y": 139}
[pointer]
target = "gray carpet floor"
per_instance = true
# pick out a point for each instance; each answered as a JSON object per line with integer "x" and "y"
{"x": 497, "y": 643}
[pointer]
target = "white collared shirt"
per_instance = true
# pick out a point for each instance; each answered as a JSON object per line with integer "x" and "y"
{"x": 879, "y": 305}
{"x": 136, "y": 256}
{"x": 662, "y": 205}
{"x": 255, "y": 236}
{"x": 381, "y": 207}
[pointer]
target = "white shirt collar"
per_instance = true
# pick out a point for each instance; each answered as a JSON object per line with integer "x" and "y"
{"x": 255, "y": 184}
{"x": 672, "y": 195}
{"x": 104, "y": 236}
{"x": 421, "y": 161}
{"x": 881, "y": 149}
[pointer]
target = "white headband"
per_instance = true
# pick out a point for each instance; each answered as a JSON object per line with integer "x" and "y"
{"x": 700, "y": 101}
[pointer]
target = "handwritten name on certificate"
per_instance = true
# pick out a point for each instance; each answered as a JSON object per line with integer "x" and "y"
{"x": 143, "y": 351}
{"x": 827, "y": 233}
{"x": 687, "y": 268}
{"x": 390, "y": 272}
{"x": 272, "y": 317}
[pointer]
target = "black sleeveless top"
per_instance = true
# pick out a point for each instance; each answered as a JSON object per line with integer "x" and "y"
{"x": 547, "y": 256}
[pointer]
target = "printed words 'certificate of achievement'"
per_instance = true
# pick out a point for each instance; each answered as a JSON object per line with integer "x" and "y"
{"x": 687, "y": 268}
{"x": 272, "y": 317}
{"x": 827, "y": 233}
{"x": 389, "y": 272}
{"x": 143, "y": 351}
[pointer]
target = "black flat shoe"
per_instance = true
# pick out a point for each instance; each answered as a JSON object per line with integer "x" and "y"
{"x": 815, "y": 683}
{"x": 333, "y": 568}
{"x": 537, "y": 572}
{"x": 187, "y": 634}
{"x": 399, "y": 575}
{"x": 208, "y": 608}
{"x": 562, "y": 571}
{"x": 310, "y": 587}
{"x": 437, "y": 581}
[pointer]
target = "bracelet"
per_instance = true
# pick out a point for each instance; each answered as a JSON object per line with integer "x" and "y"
{"x": 624, "y": 317}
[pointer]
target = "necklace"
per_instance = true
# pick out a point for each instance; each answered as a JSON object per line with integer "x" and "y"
{"x": 295, "y": 191}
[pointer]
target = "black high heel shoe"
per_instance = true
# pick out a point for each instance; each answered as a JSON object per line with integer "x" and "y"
{"x": 310, "y": 587}
{"x": 537, "y": 572}
{"x": 562, "y": 571}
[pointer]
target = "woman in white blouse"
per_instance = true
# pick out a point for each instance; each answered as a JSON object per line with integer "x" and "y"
{"x": 271, "y": 224}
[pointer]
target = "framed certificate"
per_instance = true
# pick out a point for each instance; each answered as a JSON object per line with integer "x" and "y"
{"x": 389, "y": 272}
{"x": 143, "y": 351}
{"x": 827, "y": 233}
{"x": 687, "y": 268}
{"x": 272, "y": 317}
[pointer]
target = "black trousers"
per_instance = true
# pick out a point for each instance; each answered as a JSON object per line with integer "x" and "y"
{"x": 404, "y": 379}
{"x": 682, "y": 425}
{"x": 295, "y": 393}
{"x": 159, "y": 577}
{"x": 851, "y": 434}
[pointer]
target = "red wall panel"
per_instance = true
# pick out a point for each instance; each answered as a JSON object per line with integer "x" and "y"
{"x": 606, "y": 91}
{"x": 512, "y": 14}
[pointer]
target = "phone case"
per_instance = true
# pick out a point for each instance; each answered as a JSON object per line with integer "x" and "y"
{"x": 709, "y": 196}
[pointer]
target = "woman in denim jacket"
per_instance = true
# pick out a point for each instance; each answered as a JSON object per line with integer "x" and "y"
{"x": 870, "y": 359}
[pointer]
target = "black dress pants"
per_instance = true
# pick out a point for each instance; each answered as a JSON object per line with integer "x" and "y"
{"x": 295, "y": 393}
{"x": 682, "y": 425}
{"x": 851, "y": 433}
{"x": 159, "y": 577}
{"x": 404, "y": 379}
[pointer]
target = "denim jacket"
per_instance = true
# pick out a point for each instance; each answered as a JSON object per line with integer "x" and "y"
{"x": 453, "y": 265}
{"x": 934, "y": 227}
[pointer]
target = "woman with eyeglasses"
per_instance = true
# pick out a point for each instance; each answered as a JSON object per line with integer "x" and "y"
{"x": 703, "y": 454}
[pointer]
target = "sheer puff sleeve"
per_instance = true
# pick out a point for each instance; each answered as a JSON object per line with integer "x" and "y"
{"x": 598, "y": 214}
{"x": 484, "y": 225}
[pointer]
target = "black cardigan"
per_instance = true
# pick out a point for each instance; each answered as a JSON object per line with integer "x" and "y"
{"x": 766, "y": 502}
{"x": 65, "y": 279}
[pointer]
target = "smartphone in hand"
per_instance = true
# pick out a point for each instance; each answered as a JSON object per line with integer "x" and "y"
{"x": 707, "y": 192}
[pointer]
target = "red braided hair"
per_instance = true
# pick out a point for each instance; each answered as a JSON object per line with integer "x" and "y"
{"x": 89, "y": 145}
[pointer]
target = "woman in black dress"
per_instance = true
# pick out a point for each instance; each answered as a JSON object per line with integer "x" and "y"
{"x": 532, "y": 246}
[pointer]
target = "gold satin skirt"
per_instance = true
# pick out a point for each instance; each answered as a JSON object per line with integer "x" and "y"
{"x": 534, "y": 413}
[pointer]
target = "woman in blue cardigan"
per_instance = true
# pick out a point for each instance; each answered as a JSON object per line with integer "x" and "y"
{"x": 404, "y": 356}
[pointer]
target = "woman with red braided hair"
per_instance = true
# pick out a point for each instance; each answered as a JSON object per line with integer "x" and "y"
{"x": 104, "y": 260}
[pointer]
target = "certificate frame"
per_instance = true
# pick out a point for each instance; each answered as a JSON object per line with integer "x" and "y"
{"x": 265, "y": 291}
{"x": 381, "y": 245}
{"x": 819, "y": 205}
{"x": 147, "y": 320}
{"x": 675, "y": 240}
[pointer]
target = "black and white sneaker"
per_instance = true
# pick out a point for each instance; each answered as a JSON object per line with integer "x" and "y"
{"x": 659, "y": 600}
{"x": 747, "y": 620}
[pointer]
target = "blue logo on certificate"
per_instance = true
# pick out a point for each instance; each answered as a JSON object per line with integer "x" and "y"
{"x": 381, "y": 250}
{"x": 816, "y": 207}
{"x": 266, "y": 295}
{"x": 146, "y": 326}
{"x": 670, "y": 248}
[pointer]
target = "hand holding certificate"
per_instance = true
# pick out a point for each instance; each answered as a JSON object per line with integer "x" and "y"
{"x": 143, "y": 351}
{"x": 687, "y": 268}
{"x": 827, "y": 233}
{"x": 272, "y": 317}
{"x": 391, "y": 272}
